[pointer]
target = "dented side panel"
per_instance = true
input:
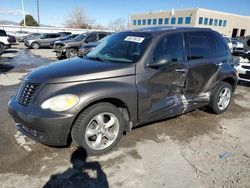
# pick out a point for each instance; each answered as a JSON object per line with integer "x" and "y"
{"x": 160, "y": 93}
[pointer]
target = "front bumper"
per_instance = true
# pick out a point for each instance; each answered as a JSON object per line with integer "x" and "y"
{"x": 243, "y": 73}
{"x": 44, "y": 126}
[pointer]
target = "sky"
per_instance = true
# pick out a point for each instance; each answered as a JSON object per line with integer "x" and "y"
{"x": 55, "y": 12}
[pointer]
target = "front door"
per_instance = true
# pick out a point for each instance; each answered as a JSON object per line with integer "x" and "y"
{"x": 160, "y": 89}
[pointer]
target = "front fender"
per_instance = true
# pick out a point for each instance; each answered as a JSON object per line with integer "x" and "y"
{"x": 89, "y": 92}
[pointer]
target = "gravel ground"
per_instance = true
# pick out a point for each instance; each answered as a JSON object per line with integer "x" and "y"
{"x": 197, "y": 149}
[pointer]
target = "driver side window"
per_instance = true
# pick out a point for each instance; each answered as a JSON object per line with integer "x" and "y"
{"x": 169, "y": 47}
{"x": 91, "y": 38}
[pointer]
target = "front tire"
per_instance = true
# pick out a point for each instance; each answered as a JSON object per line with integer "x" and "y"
{"x": 35, "y": 45}
{"x": 98, "y": 128}
{"x": 71, "y": 53}
{"x": 221, "y": 98}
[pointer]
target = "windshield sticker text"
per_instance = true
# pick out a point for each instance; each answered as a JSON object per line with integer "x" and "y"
{"x": 134, "y": 39}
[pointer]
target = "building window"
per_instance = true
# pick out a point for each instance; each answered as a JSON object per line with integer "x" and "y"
{"x": 187, "y": 20}
{"x": 160, "y": 21}
{"x": 166, "y": 21}
{"x": 215, "y": 22}
{"x": 200, "y": 20}
{"x": 144, "y": 22}
{"x": 206, "y": 21}
{"x": 173, "y": 20}
{"x": 149, "y": 21}
{"x": 224, "y": 23}
{"x": 220, "y": 22}
{"x": 139, "y": 22}
{"x": 154, "y": 21}
{"x": 134, "y": 22}
{"x": 180, "y": 20}
{"x": 211, "y": 21}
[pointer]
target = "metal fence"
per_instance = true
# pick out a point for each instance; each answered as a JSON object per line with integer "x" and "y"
{"x": 11, "y": 29}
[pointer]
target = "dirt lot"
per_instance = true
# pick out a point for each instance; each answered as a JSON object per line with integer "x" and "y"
{"x": 197, "y": 149}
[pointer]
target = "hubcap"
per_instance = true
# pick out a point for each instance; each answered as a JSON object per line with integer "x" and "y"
{"x": 102, "y": 131}
{"x": 224, "y": 98}
{"x": 72, "y": 54}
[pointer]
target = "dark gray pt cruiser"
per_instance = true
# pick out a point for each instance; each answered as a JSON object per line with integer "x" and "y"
{"x": 130, "y": 78}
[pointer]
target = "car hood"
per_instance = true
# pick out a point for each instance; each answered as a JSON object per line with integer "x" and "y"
{"x": 79, "y": 69}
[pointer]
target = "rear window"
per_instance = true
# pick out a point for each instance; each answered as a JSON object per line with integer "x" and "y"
{"x": 201, "y": 45}
{"x": 221, "y": 45}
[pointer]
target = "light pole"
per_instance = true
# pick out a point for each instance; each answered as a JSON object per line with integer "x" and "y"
{"x": 38, "y": 17}
{"x": 24, "y": 21}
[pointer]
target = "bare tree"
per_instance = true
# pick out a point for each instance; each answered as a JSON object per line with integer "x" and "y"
{"x": 118, "y": 24}
{"x": 78, "y": 18}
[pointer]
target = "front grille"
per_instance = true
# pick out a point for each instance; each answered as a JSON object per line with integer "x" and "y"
{"x": 27, "y": 93}
{"x": 244, "y": 76}
{"x": 245, "y": 67}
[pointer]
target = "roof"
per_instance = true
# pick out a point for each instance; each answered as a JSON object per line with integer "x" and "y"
{"x": 167, "y": 28}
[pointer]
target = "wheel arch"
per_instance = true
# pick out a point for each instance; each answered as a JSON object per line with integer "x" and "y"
{"x": 35, "y": 42}
{"x": 120, "y": 104}
{"x": 231, "y": 81}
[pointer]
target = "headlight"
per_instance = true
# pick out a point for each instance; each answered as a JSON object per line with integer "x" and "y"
{"x": 60, "y": 103}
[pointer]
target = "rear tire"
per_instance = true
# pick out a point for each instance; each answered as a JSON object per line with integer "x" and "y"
{"x": 98, "y": 128}
{"x": 35, "y": 45}
{"x": 221, "y": 98}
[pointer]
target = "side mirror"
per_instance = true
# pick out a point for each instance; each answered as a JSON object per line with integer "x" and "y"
{"x": 164, "y": 60}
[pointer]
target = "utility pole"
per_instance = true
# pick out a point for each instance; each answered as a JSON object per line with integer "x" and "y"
{"x": 38, "y": 17}
{"x": 24, "y": 21}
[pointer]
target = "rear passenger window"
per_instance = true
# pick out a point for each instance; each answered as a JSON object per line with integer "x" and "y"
{"x": 201, "y": 45}
{"x": 170, "y": 47}
{"x": 221, "y": 46}
{"x": 54, "y": 36}
{"x": 102, "y": 35}
{"x": 91, "y": 38}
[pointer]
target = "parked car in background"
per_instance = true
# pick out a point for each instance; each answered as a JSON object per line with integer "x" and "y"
{"x": 68, "y": 37}
{"x": 31, "y": 36}
{"x": 70, "y": 48}
{"x": 229, "y": 42}
{"x": 247, "y": 55}
{"x": 246, "y": 43}
{"x": 43, "y": 40}
{"x": 238, "y": 47}
{"x": 12, "y": 39}
{"x": 20, "y": 35}
{"x": 5, "y": 41}
{"x": 85, "y": 49}
{"x": 242, "y": 66}
{"x": 133, "y": 78}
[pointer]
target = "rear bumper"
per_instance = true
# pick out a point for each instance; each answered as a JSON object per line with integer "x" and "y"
{"x": 43, "y": 126}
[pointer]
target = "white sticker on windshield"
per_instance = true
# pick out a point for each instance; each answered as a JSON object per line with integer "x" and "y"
{"x": 134, "y": 39}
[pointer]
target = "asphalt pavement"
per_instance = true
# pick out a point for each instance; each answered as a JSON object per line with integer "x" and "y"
{"x": 197, "y": 149}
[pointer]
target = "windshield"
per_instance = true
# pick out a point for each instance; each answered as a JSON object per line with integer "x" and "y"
{"x": 125, "y": 47}
{"x": 80, "y": 37}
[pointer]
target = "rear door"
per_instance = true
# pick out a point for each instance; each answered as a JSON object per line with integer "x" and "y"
{"x": 160, "y": 89}
{"x": 202, "y": 66}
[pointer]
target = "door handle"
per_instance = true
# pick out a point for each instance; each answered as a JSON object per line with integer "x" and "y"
{"x": 181, "y": 70}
